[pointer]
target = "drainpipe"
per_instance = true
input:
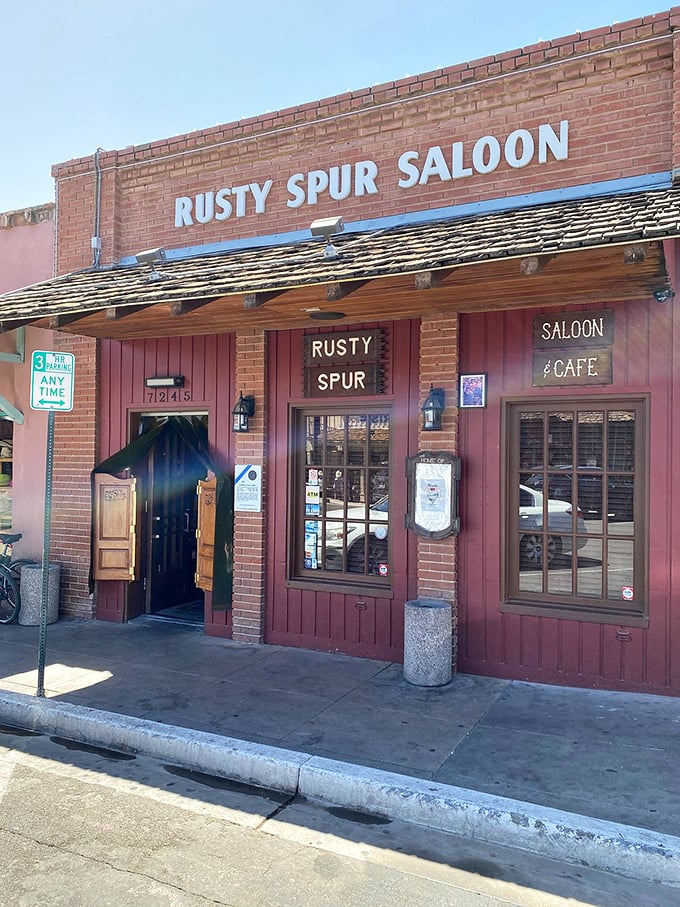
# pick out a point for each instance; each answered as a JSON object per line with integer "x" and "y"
{"x": 96, "y": 241}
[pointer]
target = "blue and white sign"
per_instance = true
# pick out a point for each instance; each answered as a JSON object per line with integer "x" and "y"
{"x": 52, "y": 381}
{"x": 248, "y": 488}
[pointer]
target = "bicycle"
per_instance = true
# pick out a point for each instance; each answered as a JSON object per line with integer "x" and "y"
{"x": 10, "y": 577}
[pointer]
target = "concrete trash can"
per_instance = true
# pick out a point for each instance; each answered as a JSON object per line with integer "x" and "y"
{"x": 427, "y": 642}
{"x": 31, "y": 594}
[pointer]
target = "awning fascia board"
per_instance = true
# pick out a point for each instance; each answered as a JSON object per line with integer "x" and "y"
{"x": 544, "y": 234}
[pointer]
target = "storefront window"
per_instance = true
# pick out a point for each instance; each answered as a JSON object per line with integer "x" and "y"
{"x": 342, "y": 489}
{"x": 6, "y": 450}
{"x": 576, "y": 481}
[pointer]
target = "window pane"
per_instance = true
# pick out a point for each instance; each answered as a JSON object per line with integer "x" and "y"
{"x": 345, "y": 487}
{"x": 314, "y": 440}
{"x": 356, "y": 455}
{"x": 531, "y": 441}
{"x": 621, "y": 502}
{"x": 589, "y": 578}
{"x": 335, "y": 441}
{"x": 620, "y": 584}
{"x": 590, "y": 438}
{"x": 621, "y": 441}
{"x": 560, "y": 439}
{"x": 6, "y": 462}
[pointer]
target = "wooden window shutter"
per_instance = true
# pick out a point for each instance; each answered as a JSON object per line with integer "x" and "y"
{"x": 115, "y": 527}
{"x": 205, "y": 533}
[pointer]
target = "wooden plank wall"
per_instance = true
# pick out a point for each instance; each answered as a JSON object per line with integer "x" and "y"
{"x": 325, "y": 619}
{"x": 646, "y": 359}
{"x": 207, "y": 365}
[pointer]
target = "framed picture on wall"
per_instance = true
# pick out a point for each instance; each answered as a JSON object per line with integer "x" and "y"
{"x": 472, "y": 391}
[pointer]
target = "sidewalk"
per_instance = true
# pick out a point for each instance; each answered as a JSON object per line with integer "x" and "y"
{"x": 595, "y": 755}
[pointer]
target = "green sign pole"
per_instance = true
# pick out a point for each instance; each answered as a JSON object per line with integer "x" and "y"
{"x": 51, "y": 389}
{"x": 42, "y": 645}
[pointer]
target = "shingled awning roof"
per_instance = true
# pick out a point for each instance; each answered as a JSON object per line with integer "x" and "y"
{"x": 568, "y": 251}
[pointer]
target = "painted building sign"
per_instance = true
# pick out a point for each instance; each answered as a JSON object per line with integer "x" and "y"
{"x": 346, "y": 364}
{"x": 576, "y": 329}
{"x": 413, "y": 167}
{"x": 573, "y": 348}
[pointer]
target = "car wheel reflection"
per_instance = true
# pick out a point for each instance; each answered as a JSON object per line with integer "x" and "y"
{"x": 532, "y": 551}
{"x": 377, "y": 554}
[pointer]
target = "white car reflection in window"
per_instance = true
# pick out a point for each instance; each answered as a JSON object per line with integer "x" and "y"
{"x": 532, "y": 542}
{"x": 351, "y": 537}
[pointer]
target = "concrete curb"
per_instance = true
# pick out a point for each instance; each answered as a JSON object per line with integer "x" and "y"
{"x": 608, "y": 846}
{"x": 249, "y": 763}
{"x": 635, "y": 853}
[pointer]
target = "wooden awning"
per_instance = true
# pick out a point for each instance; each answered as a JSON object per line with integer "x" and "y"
{"x": 595, "y": 249}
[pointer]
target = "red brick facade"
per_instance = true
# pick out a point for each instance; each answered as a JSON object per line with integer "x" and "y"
{"x": 436, "y": 134}
{"x": 614, "y": 85}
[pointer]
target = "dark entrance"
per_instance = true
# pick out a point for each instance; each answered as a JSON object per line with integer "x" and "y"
{"x": 169, "y": 509}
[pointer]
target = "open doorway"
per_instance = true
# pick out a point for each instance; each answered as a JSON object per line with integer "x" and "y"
{"x": 168, "y": 516}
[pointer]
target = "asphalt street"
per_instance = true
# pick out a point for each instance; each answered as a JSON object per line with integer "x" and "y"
{"x": 81, "y": 825}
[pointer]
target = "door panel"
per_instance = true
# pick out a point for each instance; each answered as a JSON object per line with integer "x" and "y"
{"x": 114, "y": 527}
{"x": 172, "y": 508}
{"x": 205, "y": 533}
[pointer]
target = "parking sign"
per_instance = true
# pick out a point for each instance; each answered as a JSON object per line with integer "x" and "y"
{"x": 52, "y": 381}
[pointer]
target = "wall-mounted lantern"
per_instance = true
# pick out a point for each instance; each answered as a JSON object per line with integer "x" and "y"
{"x": 432, "y": 409}
{"x": 244, "y": 410}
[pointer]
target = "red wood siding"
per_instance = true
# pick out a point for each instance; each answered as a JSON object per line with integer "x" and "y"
{"x": 646, "y": 357}
{"x": 321, "y": 618}
{"x": 207, "y": 365}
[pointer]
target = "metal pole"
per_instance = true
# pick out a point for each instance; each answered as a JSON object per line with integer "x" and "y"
{"x": 46, "y": 553}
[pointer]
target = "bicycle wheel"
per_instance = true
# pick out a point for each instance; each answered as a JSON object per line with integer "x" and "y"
{"x": 9, "y": 599}
{"x": 16, "y": 566}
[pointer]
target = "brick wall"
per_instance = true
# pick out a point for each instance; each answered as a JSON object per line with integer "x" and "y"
{"x": 74, "y": 458}
{"x": 250, "y": 528}
{"x": 613, "y": 84}
{"x": 437, "y": 559}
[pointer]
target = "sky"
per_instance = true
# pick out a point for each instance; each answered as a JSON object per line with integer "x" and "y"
{"x": 85, "y": 74}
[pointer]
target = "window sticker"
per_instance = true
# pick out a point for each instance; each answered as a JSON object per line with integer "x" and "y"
{"x": 312, "y": 500}
{"x": 311, "y": 542}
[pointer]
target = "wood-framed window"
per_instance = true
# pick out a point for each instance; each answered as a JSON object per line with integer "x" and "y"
{"x": 340, "y": 495}
{"x": 574, "y": 520}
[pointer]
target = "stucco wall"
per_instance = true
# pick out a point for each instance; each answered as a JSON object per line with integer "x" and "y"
{"x": 26, "y": 257}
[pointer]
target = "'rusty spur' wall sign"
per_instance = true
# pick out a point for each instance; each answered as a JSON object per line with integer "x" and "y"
{"x": 344, "y": 364}
{"x": 573, "y": 348}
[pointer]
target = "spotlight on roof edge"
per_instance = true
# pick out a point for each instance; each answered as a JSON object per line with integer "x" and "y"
{"x": 149, "y": 256}
{"x": 326, "y": 227}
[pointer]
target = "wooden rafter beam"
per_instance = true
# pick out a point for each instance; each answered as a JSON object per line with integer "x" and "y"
{"x": 60, "y": 321}
{"x": 337, "y": 291}
{"x": 533, "y": 264}
{"x": 184, "y": 306}
{"x": 633, "y": 255}
{"x": 429, "y": 280}
{"x": 255, "y": 300}
{"x": 6, "y": 326}
{"x": 116, "y": 313}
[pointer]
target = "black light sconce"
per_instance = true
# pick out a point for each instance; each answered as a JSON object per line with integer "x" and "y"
{"x": 165, "y": 381}
{"x": 244, "y": 410}
{"x": 432, "y": 409}
{"x": 663, "y": 295}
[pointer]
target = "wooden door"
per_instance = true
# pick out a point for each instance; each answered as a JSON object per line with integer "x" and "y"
{"x": 205, "y": 533}
{"x": 172, "y": 511}
{"x": 115, "y": 532}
